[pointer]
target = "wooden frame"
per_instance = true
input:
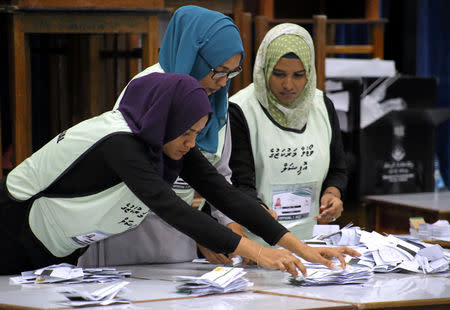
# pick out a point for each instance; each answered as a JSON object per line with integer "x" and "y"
{"x": 23, "y": 21}
{"x": 319, "y": 35}
{"x": 142, "y": 4}
{"x": 243, "y": 21}
{"x": 320, "y": 23}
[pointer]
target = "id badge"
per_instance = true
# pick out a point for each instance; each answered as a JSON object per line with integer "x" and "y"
{"x": 90, "y": 238}
{"x": 292, "y": 201}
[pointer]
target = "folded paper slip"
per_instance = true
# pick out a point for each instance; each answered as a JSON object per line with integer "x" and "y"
{"x": 219, "y": 280}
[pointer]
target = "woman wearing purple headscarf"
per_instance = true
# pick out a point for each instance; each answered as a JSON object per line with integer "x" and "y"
{"x": 103, "y": 176}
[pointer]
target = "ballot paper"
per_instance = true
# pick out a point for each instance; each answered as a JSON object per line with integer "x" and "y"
{"x": 440, "y": 230}
{"x": 324, "y": 230}
{"x": 235, "y": 261}
{"x": 323, "y": 276}
{"x": 332, "y": 235}
{"x": 200, "y": 261}
{"x": 219, "y": 280}
{"x": 389, "y": 253}
{"x": 103, "y": 296}
{"x": 69, "y": 274}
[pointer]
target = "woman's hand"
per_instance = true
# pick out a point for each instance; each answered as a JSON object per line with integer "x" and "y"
{"x": 222, "y": 259}
{"x": 237, "y": 229}
{"x": 213, "y": 257}
{"x": 270, "y": 258}
{"x": 279, "y": 259}
{"x": 323, "y": 255}
{"x": 331, "y": 208}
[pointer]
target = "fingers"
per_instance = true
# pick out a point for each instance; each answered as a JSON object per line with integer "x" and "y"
{"x": 323, "y": 255}
{"x": 329, "y": 263}
{"x": 339, "y": 253}
{"x": 345, "y": 250}
{"x": 219, "y": 259}
{"x": 214, "y": 258}
{"x": 289, "y": 265}
{"x": 327, "y": 201}
{"x": 342, "y": 260}
{"x": 326, "y": 217}
{"x": 246, "y": 261}
{"x": 349, "y": 251}
{"x": 280, "y": 266}
{"x": 299, "y": 265}
{"x": 331, "y": 211}
{"x": 280, "y": 259}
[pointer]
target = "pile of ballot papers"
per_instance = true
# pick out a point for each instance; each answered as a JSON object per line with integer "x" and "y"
{"x": 440, "y": 230}
{"x": 100, "y": 297}
{"x": 390, "y": 253}
{"x": 69, "y": 274}
{"x": 387, "y": 253}
{"x": 321, "y": 275}
{"x": 220, "y": 280}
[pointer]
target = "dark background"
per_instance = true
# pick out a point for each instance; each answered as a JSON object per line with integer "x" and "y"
{"x": 416, "y": 38}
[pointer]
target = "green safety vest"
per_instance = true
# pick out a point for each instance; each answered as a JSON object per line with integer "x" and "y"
{"x": 288, "y": 159}
{"x": 64, "y": 224}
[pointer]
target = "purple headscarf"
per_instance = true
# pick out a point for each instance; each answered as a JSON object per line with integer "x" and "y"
{"x": 160, "y": 107}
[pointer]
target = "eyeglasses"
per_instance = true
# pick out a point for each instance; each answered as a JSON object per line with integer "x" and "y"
{"x": 218, "y": 74}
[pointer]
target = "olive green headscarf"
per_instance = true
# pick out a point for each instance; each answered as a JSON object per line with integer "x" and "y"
{"x": 280, "y": 40}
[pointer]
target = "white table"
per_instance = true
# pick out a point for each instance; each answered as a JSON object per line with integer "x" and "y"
{"x": 151, "y": 288}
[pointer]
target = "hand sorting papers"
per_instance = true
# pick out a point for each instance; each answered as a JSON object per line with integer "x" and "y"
{"x": 220, "y": 280}
{"x": 324, "y": 276}
{"x": 102, "y": 297}
{"x": 69, "y": 274}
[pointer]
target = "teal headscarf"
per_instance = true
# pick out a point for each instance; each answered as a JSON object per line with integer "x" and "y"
{"x": 193, "y": 30}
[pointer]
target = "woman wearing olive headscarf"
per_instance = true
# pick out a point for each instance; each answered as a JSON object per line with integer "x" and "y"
{"x": 207, "y": 46}
{"x": 287, "y": 146}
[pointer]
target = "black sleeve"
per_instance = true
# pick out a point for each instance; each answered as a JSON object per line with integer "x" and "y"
{"x": 241, "y": 161}
{"x": 204, "y": 178}
{"x": 337, "y": 172}
{"x": 127, "y": 156}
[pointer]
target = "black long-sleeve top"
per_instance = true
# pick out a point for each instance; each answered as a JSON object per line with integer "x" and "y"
{"x": 123, "y": 157}
{"x": 242, "y": 161}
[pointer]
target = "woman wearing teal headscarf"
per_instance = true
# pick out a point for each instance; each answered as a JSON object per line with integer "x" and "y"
{"x": 206, "y": 45}
{"x": 297, "y": 167}
{"x": 196, "y": 39}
